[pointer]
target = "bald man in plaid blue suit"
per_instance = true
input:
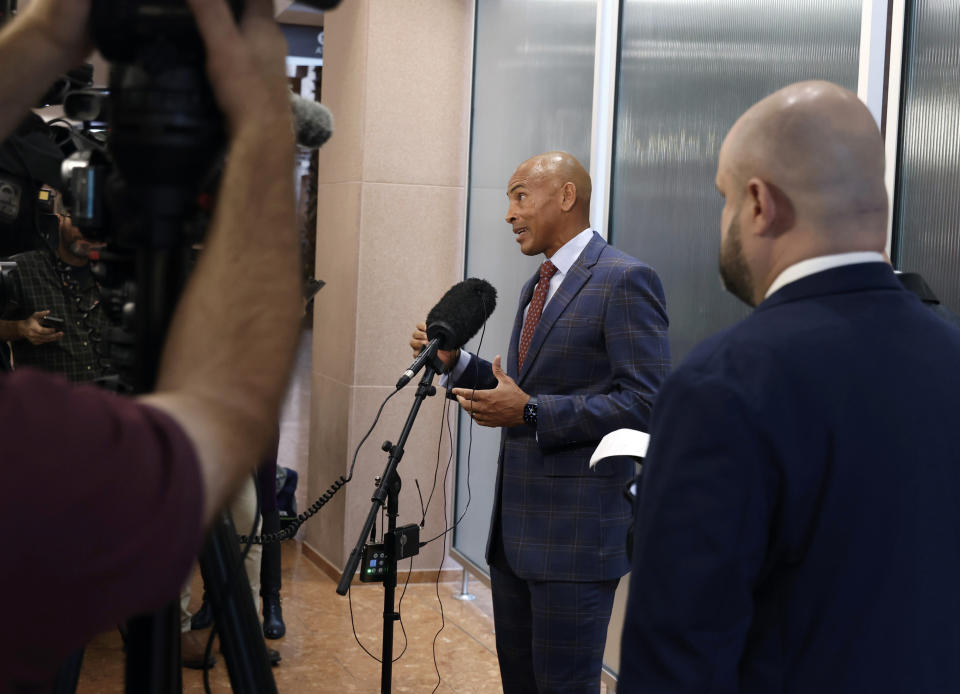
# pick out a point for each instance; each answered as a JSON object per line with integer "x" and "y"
{"x": 588, "y": 352}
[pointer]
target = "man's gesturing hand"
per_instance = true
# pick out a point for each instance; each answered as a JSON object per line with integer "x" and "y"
{"x": 499, "y": 407}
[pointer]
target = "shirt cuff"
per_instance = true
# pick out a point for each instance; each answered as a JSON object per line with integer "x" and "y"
{"x": 457, "y": 371}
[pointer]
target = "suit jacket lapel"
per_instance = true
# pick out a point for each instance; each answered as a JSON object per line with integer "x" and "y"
{"x": 577, "y": 276}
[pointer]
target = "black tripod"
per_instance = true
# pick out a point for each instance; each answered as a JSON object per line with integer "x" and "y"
{"x": 380, "y": 561}
{"x": 153, "y": 641}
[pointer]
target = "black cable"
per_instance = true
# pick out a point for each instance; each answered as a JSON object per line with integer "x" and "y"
{"x": 443, "y": 553}
{"x": 469, "y": 454}
{"x": 423, "y": 509}
{"x": 436, "y": 470}
{"x": 399, "y": 604}
{"x": 400, "y": 613}
{"x": 229, "y": 585}
{"x": 369, "y": 431}
{"x": 77, "y": 131}
{"x": 324, "y": 498}
{"x": 291, "y": 530}
{"x": 443, "y": 622}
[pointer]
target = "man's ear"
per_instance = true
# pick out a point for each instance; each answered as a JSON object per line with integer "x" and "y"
{"x": 771, "y": 211}
{"x": 568, "y": 196}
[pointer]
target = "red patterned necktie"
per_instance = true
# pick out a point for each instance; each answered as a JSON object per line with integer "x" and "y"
{"x": 547, "y": 270}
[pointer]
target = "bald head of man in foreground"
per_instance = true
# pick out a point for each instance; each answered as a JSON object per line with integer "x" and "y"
{"x": 549, "y": 202}
{"x": 802, "y": 174}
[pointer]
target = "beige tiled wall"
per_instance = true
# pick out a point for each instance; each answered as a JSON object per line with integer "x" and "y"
{"x": 390, "y": 241}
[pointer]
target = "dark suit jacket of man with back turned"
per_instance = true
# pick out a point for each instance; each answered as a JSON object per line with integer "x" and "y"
{"x": 596, "y": 359}
{"x": 798, "y": 527}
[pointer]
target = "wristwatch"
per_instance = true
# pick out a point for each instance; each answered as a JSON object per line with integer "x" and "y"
{"x": 530, "y": 411}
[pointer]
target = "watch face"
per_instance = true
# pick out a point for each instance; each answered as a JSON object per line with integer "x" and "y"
{"x": 530, "y": 413}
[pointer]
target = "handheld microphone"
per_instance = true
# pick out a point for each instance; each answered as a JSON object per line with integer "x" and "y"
{"x": 312, "y": 122}
{"x": 457, "y": 317}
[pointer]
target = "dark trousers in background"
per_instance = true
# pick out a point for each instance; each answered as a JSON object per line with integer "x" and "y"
{"x": 550, "y": 634}
{"x": 270, "y": 563}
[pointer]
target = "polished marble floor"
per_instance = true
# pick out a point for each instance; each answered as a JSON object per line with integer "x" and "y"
{"x": 319, "y": 651}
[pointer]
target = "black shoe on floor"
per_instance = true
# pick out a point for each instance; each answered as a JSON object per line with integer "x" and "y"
{"x": 273, "y": 626}
{"x": 203, "y": 618}
{"x": 274, "y": 657}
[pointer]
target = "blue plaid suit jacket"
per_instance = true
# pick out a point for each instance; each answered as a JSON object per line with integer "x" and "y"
{"x": 596, "y": 359}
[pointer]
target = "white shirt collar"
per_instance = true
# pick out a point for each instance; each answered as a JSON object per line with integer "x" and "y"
{"x": 811, "y": 266}
{"x": 568, "y": 253}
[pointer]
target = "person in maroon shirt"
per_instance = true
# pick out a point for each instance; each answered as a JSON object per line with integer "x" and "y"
{"x": 126, "y": 487}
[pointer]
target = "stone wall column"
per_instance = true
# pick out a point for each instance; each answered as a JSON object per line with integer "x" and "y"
{"x": 390, "y": 242}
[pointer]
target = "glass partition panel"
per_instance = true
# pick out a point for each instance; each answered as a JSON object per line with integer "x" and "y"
{"x": 927, "y": 219}
{"x": 688, "y": 69}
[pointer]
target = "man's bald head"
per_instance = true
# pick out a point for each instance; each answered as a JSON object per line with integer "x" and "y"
{"x": 560, "y": 168}
{"x": 819, "y": 145}
{"x": 549, "y": 198}
{"x": 802, "y": 172}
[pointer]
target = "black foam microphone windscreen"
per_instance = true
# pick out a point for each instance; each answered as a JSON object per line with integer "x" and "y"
{"x": 461, "y": 312}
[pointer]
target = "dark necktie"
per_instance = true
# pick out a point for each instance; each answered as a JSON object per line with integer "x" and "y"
{"x": 547, "y": 270}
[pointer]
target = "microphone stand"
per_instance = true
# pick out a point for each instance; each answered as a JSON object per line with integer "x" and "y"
{"x": 388, "y": 494}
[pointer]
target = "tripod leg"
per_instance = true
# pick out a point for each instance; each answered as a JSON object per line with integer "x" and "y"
{"x": 69, "y": 674}
{"x": 153, "y": 652}
{"x": 229, "y": 591}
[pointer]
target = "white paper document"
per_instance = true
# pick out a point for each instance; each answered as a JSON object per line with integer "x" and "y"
{"x": 621, "y": 442}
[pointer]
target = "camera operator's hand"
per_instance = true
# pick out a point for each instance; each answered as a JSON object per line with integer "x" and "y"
{"x": 45, "y": 40}
{"x": 32, "y": 330}
{"x": 246, "y": 65}
{"x": 64, "y": 26}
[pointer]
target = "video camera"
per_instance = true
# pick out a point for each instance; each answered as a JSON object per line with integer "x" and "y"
{"x": 149, "y": 150}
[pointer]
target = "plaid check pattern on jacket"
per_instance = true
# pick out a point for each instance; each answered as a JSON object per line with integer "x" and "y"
{"x": 596, "y": 360}
{"x": 41, "y": 282}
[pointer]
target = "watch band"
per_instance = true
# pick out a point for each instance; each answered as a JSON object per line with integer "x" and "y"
{"x": 530, "y": 411}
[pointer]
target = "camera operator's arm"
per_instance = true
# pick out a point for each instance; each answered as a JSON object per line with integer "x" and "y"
{"x": 231, "y": 343}
{"x": 46, "y": 39}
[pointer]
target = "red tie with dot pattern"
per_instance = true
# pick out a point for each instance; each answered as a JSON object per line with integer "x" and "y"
{"x": 547, "y": 270}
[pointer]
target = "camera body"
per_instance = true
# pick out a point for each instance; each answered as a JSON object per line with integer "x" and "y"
{"x": 150, "y": 146}
{"x": 124, "y": 31}
{"x": 165, "y": 131}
